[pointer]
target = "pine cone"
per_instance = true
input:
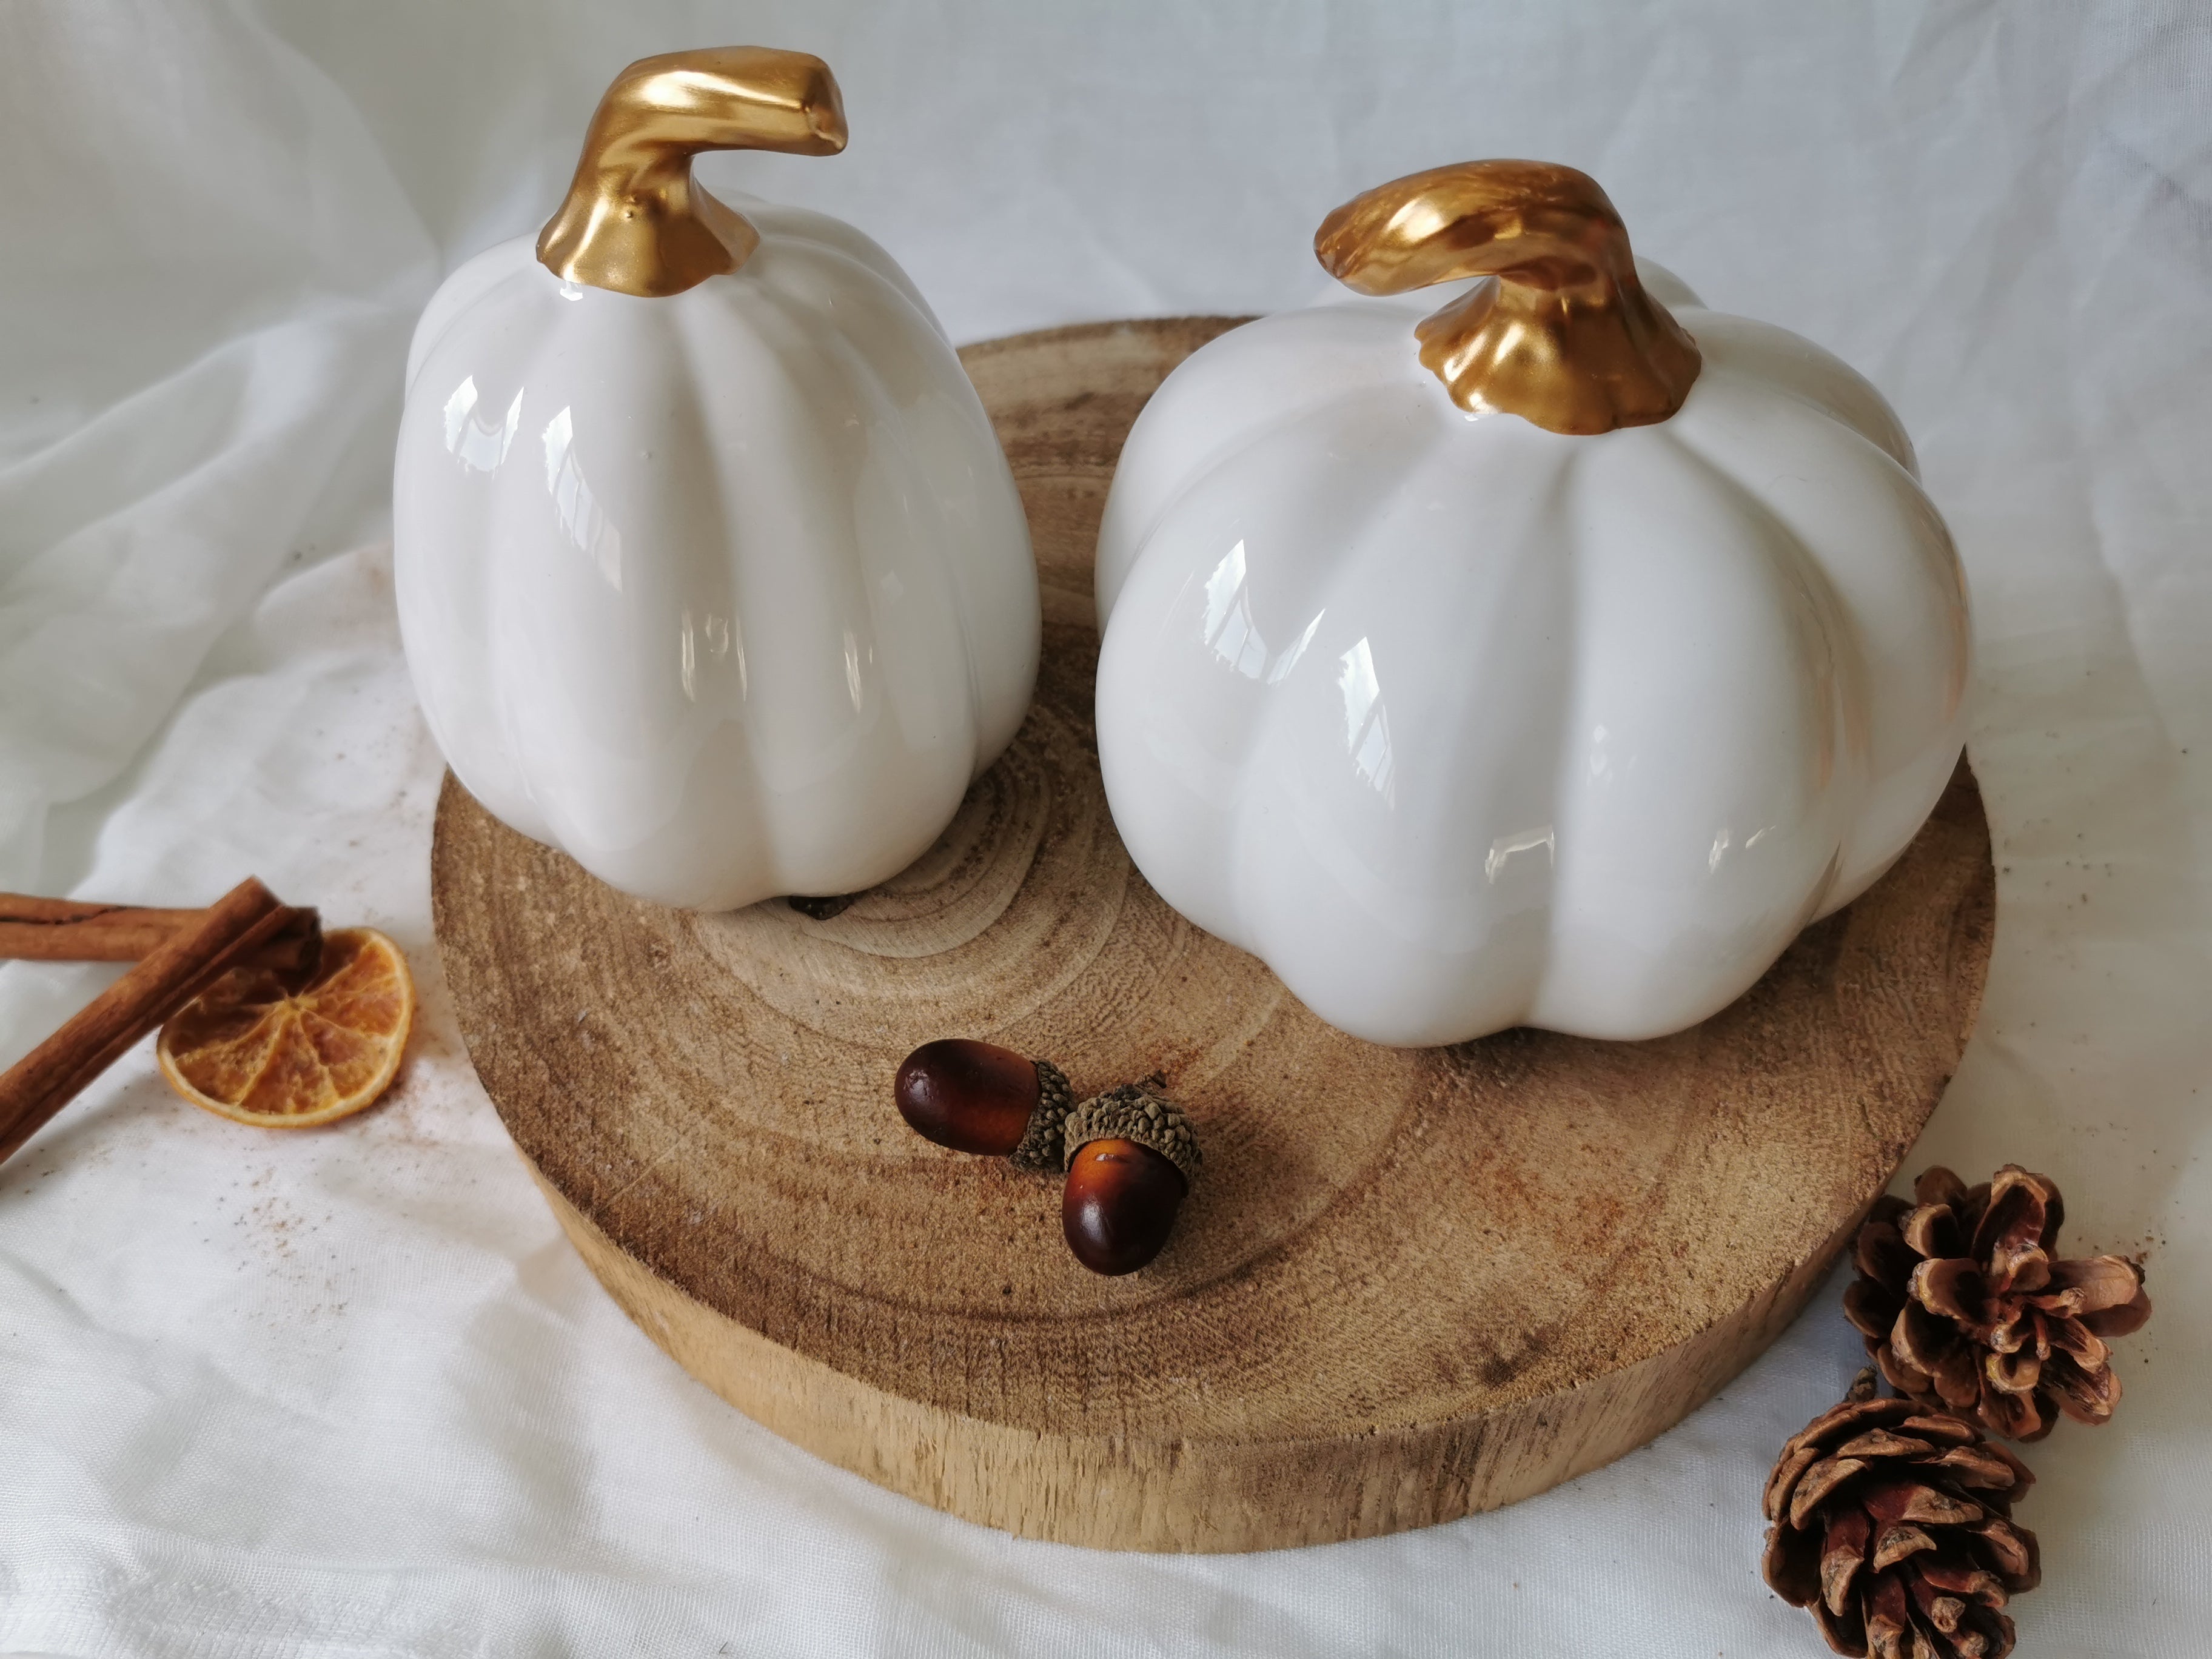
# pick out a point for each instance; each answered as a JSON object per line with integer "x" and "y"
{"x": 1964, "y": 1305}
{"x": 1894, "y": 1526}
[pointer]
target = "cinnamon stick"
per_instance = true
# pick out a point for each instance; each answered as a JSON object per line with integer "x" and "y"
{"x": 171, "y": 975}
{"x": 34, "y": 929}
{"x": 70, "y": 930}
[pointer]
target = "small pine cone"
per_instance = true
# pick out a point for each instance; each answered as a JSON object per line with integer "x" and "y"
{"x": 1966, "y": 1304}
{"x": 1894, "y": 1527}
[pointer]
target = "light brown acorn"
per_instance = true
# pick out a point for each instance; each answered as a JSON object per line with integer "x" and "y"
{"x": 978, "y": 1097}
{"x": 1130, "y": 1159}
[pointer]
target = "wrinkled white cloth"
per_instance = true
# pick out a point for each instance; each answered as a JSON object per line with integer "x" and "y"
{"x": 349, "y": 1392}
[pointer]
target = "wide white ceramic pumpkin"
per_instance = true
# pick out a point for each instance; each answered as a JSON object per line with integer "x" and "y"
{"x": 1553, "y": 660}
{"x": 710, "y": 570}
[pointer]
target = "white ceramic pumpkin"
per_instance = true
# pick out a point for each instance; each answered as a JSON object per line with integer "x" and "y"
{"x": 1459, "y": 722}
{"x": 710, "y": 568}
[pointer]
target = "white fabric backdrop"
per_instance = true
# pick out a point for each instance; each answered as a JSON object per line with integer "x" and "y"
{"x": 349, "y": 1393}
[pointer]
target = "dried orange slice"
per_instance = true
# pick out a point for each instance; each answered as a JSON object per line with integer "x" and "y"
{"x": 254, "y": 1050}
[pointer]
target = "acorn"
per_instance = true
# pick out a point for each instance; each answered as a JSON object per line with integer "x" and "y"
{"x": 978, "y": 1097}
{"x": 1130, "y": 1159}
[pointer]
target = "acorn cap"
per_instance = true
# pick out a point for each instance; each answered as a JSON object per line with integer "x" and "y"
{"x": 1134, "y": 1111}
{"x": 1040, "y": 1145}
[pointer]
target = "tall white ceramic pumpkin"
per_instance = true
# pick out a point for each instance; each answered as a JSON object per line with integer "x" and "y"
{"x": 1551, "y": 660}
{"x": 710, "y": 568}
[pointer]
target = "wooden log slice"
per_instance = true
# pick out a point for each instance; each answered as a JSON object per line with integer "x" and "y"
{"x": 1410, "y": 1284}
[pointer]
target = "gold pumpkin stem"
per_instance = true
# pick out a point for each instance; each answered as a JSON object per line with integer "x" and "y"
{"x": 634, "y": 221}
{"x": 1566, "y": 336}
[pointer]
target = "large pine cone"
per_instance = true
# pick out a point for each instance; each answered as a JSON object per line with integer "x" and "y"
{"x": 1894, "y": 1526}
{"x": 1964, "y": 1304}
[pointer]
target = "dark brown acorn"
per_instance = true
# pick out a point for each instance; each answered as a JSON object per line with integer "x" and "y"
{"x": 1118, "y": 1204}
{"x": 978, "y": 1097}
{"x": 1131, "y": 1157}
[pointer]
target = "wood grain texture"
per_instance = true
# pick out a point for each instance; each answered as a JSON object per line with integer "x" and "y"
{"x": 1410, "y": 1284}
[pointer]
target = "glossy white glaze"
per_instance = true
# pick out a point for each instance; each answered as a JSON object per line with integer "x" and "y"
{"x": 728, "y": 594}
{"x": 1460, "y": 723}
